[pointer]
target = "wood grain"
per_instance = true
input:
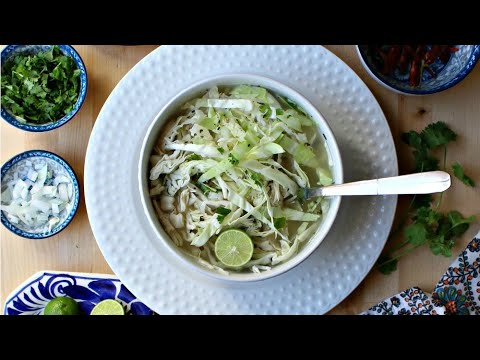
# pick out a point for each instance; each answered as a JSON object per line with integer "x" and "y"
{"x": 75, "y": 248}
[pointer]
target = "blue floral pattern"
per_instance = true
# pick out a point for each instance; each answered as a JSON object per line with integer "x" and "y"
{"x": 452, "y": 299}
{"x": 459, "y": 288}
{"x": 412, "y": 301}
{"x": 87, "y": 290}
{"x": 474, "y": 245}
{"x": 457, "y": 292}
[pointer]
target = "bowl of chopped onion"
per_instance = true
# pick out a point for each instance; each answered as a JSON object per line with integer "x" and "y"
{"x": 40, "y": 194}
{"x": 221, "y": 171}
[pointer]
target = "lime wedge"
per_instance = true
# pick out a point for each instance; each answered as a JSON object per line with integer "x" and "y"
{"x": 234, "y": 248}
{"x": 108, "y": 307}
{"x": 62, "y": 306}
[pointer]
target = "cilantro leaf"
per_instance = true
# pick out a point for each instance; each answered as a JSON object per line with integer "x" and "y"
{"x": 437, "y": 134}
{"x": 222, "y": 212}
{"x": 440, "y": 246}
{"x": 425, "y": 162}
{"x": 459, "y": 224}
{"x": 460, "y": 174}
{"x": 427, "y": 216}
{"x": 279, "y": 222}
{"x": 413, "y": 139}
{"x": 416, "y": 234}
{"x": 457, "y": 219}
{"x": 449, "y": 228}
{"x": 386, "y": 264}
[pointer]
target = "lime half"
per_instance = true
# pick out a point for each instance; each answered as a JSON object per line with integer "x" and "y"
{"x": 234, "y": 248}
{"x": 62, "y": 306}
{"x": 108, "y": 307}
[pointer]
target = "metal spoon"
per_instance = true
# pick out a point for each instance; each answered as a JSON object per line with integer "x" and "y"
{"x": 421, "y": 183}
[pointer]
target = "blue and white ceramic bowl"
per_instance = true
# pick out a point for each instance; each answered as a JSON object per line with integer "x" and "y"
{"x": 59, "y": 167}
{"x": 455, "y": 70}
{"x": 31, "y": 297}
{"x": 11, "y": 51}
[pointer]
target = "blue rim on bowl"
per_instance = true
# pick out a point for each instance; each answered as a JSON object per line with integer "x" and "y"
{"x": 76, "y": 196}
{"x": 454, "y": 71}
{"x": 10, "y": 50}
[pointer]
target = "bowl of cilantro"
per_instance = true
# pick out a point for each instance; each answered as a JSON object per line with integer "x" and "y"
{"x": 43, "y": 86}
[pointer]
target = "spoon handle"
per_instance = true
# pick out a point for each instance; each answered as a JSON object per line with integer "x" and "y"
{"x": 421, "y": 183}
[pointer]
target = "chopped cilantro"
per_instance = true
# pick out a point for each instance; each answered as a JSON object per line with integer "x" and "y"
{"x": 42, "y": 87}
{"x": 194, "y": 157}
{"x": 265, "y": 110}
{"x": 222, "y": 212}
{"x": 279, "y": 222}
{"x": 233, "y": 159}
{"x": 256, "y": 178}
{"x": 205, "y": 188}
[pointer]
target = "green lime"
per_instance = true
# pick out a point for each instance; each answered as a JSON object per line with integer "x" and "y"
{"x": 62, "y": 306}
{"x": 234, "y": 248}
{"x": 108, "y": 307}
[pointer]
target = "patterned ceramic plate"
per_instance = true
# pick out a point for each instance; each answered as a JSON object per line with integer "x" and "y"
{"x": 31, "y": 297}
{"x": 143, "y": 262}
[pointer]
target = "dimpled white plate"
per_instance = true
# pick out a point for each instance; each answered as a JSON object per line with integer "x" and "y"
{"x": 141, "y": 261}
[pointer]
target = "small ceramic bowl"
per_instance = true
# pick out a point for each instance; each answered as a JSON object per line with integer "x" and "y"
{"x": 13, "y": 50}
{"x": 59, "y": 167}
{"x": 449, "y": 74}
{"x": 196, "y": 90}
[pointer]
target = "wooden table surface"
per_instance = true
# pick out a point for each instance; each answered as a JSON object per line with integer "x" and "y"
{"x": 75, "y": 249}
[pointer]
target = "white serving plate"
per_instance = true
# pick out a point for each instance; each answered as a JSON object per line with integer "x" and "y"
{"x": 142, "y": 261}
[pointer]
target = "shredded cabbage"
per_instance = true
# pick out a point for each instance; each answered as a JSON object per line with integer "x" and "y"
{"x": 236, "y": 158}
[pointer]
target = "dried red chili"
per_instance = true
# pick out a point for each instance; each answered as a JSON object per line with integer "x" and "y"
{"x": 411, "y": 58}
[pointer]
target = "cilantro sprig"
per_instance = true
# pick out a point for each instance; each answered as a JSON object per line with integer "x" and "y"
{"x": 40, "y": 88}
{"x": 460, "y": 174}
{"x": 432, "y": 137}
{"x": 428, "y": 226}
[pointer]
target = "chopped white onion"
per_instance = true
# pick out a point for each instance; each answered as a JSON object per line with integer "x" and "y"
{"x": 36, "y": 197}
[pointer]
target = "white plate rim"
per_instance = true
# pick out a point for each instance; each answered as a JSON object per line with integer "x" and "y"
{"x": 365, "y": 89}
